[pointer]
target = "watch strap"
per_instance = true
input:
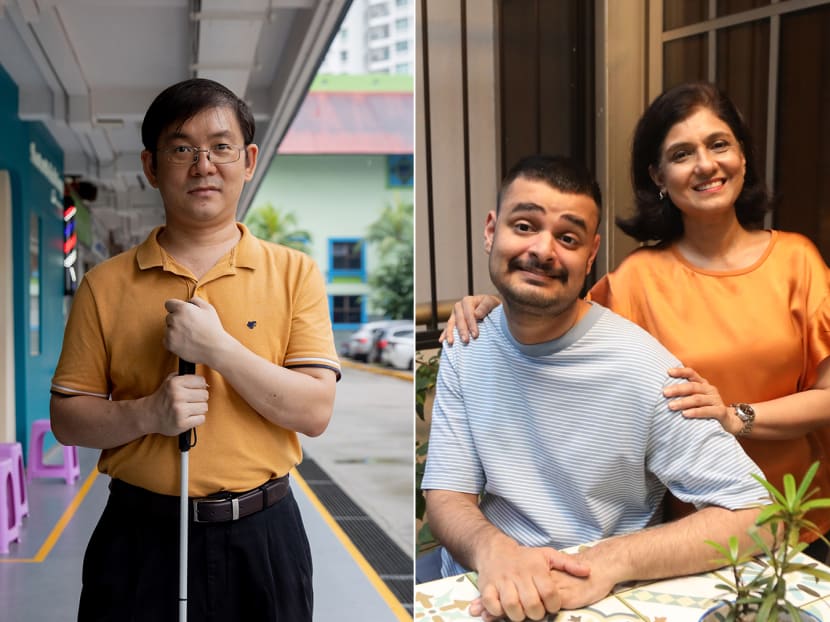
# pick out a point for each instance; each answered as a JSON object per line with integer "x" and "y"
{"x": 746, "y": 414}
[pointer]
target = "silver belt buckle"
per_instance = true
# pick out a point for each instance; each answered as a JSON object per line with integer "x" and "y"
{"x": 195, "y": 503}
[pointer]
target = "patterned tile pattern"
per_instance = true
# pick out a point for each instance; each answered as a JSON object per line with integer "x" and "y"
{"x": 683, "y": 599}
{"x": 446, "y": 600}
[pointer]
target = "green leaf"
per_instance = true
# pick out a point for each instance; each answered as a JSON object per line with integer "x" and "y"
{"x": 815, "y": 503}
{"x": 816, "y": 573}
{"x": 274, "y": 225}
{"x": 795, "y": 614}
{"x": 789, "y": 490}
{"x": 720, "y": 548}
{"x": 726, "y": 587}
{"x": 734, "y": 551}
{"x": 768, "y": 512}
{"x": 766, "y": 607}
{"x": 808, "y": 479}
{"x": 772, "y": 490}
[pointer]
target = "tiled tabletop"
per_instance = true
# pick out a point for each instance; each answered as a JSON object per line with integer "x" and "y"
{"x": 672, "y": 600}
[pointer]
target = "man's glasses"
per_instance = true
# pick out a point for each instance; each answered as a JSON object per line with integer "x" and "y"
{"x": 218, "y": 154}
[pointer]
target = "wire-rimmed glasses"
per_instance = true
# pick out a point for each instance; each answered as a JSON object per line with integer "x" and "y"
{"x": 222, "y": 153}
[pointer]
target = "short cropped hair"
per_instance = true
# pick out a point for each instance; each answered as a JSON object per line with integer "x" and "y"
{"x": 184, "y": 100}
{"x": 660, "y": 220}
{"x": 560, "y": 172}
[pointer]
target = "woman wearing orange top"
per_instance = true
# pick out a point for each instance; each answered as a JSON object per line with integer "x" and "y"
{"x": 746, "y": 309}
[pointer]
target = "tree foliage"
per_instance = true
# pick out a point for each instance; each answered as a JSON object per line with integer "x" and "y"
{"x": 392, "y": 281}
{"x": 273, "y": 225}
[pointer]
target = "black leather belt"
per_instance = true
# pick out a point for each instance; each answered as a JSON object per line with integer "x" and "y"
{"x": 233, "y": 506}
{"x": 216, "y": 508}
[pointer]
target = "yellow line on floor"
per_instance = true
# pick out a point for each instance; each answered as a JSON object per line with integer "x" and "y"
{"x": 67, "y": 516}
{"x": 400, "y": 612}
{"x": 56, "y": 532}
{"x": 383, "y": 371}
{"x": 384, "y": 591}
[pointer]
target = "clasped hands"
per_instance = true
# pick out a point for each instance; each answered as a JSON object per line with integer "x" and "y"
{"x": 193, "y": 331}
{"x": 519, "y": 583}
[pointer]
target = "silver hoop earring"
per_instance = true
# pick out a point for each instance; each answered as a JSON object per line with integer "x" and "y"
{"x": 661, "y": 195}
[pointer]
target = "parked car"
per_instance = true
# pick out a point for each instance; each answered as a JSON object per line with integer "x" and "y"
{"x": 361, "y": 344}
{"x": 397, "y": 347}
{"x": 378, "y": 345}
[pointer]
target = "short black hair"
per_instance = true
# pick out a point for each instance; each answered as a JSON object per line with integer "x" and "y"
{"x": 560, "y": 172}
{"x": 660, "y": 220}
{"x": 183, "y": 101}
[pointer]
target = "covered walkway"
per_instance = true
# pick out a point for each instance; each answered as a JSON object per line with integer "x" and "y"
{"x": 40, "y": 578}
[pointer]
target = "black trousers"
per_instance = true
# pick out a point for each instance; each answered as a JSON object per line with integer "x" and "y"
{"x": 255, "y": 569}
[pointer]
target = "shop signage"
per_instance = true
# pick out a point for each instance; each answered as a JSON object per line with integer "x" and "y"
{"x": 46, "y": 168}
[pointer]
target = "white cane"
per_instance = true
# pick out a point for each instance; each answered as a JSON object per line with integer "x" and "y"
{"x": 185, "y": 368}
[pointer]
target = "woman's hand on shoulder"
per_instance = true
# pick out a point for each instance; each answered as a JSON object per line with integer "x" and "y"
{"x": 466, "y": 314}
{"x": 697, "y": 399}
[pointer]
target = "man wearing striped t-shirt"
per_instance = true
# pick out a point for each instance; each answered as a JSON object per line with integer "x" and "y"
{"x": 551, "y": 429}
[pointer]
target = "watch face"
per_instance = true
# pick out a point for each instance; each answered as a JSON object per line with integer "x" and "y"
{"x": 745, "y": 412}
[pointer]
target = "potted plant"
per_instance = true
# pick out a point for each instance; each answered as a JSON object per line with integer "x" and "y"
{"x": 762, "y": 597}
{"x": 425, "y": 375}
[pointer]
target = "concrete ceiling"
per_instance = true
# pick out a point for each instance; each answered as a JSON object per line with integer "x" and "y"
{"x": 89, "y": 69}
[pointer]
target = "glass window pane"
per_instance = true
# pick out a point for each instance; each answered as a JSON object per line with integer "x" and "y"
{"x": 379, "y": 54}
{"x": 346, "y": 255}
{"x": 802, "y": 182}
{"x": 346, "y": 309}
{"x": 729, "y": 7}
{"x": 684, "y": 60}
{"x": 399, "y": 168}
{"x": 379, "y": 32}
{"x": 743, "y": 72}
{"x": 378, "y": 10}
{"x": 677, "y": 13}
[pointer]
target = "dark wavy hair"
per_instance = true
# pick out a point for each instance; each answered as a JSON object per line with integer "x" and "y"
{"x": 660, "y": 220}
{"x": 184, "y": 100}
{"x": 560, "y": 172}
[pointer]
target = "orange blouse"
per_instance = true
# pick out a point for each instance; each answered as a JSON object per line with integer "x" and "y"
{"x": 757, "y": 334}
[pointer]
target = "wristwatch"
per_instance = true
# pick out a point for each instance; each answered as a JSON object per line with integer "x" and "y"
{"x": 746, "y": 414}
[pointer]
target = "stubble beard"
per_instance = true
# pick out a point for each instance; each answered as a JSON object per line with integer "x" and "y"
{"x": 529, "y": 300}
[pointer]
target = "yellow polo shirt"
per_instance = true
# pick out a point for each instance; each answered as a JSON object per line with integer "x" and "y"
{"x": 270, "y": 298}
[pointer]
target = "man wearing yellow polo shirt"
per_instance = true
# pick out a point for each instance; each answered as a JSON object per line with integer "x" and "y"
{"x": 254, "y": 318}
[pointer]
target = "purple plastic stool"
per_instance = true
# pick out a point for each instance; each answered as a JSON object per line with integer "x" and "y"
{"x": 14, "y": 451}
{"x": 9, "y": 518}
{"x": 70, "y": 470}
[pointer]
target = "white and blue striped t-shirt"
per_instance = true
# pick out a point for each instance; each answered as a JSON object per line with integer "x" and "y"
{"x": 572, "y": 440}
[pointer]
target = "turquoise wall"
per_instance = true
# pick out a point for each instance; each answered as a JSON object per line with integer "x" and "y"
{"x": 33, "y": 193}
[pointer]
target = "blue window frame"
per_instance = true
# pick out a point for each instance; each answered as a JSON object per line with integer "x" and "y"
{"x": 347, "y": 262}
{"x": 399, "y": 172}
{"x": 347, "y": 311}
